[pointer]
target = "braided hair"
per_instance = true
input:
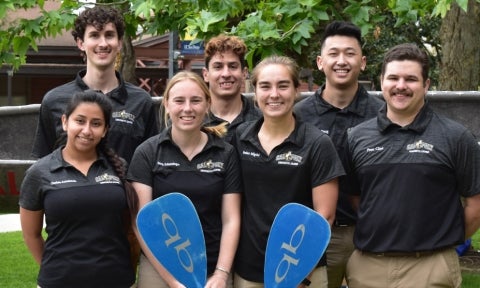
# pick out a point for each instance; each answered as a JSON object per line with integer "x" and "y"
{"x": 119, "y": 165}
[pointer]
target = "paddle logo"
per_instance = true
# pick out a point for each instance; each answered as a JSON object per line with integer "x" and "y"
{"x": 180, "y": 245}
{"x": 298, "y": 238}
{"x": 170, "y": 227}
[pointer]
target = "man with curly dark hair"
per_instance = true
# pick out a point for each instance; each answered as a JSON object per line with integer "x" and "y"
{"x": 98, "y": 32}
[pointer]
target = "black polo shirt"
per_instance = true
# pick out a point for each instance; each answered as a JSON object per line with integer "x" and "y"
{"x": 86, "y": 245}
{"x": 249, "y": 113}
{"x": 215, "y": 171}
{"x": 134, "y": 117}
{"x": 335, "y": 122}
{"x": 411, "y": 179}
{"x": 306, "y": 159}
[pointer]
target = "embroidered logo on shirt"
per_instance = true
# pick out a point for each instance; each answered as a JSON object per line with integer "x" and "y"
{"x": 210, "y": 166}
{"x": 123, "y": 116}
{"x": 420, "y": 147}
{"x": 107, "y": 178}
{"x": 288, "y": 159}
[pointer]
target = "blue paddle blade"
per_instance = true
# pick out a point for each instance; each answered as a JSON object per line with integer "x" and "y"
{"x": 170, "y": 227}
{"x": 298, "y": 238}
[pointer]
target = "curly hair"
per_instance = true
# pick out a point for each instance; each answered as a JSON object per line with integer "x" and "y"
{"x": 223, "y": 43}
{"x": 98, "y": 17}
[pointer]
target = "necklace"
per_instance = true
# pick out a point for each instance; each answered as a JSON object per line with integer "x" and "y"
{"x": 195, "y": 148}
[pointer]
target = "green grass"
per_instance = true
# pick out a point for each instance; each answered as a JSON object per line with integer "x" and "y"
{"x": 19, "y": 270}
{"x": 17, "y": 267}
{"x": 471, "y": 280}
{"x": 476, "y": 240}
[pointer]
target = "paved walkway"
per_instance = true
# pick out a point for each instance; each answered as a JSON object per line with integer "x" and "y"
{"x": 9, "y": 222}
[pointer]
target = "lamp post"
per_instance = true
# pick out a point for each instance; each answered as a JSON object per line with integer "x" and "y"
{"x": 9, "y": 87}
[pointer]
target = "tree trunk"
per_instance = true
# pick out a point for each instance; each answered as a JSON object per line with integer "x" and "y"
{"x": 128, "y": 62}
{"x": 460, "y": 67}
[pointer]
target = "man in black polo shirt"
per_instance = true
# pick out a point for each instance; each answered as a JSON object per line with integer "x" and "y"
{"x": 225, "y": 73}
{"x": 413, "y": 166}
{"x": 98, "y": 32}
{"x": 339, "y": 104}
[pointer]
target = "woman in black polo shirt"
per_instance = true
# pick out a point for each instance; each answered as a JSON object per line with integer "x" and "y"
{"x": 283, "y": 160}
{"x": 193, "y": 160}
{"x": 80, "y": 190}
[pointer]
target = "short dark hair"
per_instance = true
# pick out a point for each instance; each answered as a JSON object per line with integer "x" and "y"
{"x": 342, "y": 28}
{"x": 224, "y": 43}
{"x": 407, "y": 51}
{"x": 98, "y": 17}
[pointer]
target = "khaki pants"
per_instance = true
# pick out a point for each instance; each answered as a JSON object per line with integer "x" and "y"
{"x": 148, "y": 277}
{"x": 318, "y": 279}
{"x": 338, "y": 252}
{"x": 440, "y": 269}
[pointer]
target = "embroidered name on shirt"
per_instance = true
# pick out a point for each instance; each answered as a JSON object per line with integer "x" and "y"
{"x": 166, "y": 164}
{"x": 123, "y": 116}
{"x": 375, "y": 149}
{"x": 420, "y": 147}
{"x": 253, "y": 154}
{"x": 106, "y": 179}
{"x": 62, "y": 182}
{"x": 210, "y": 166}
{"x": 288, "y": 159}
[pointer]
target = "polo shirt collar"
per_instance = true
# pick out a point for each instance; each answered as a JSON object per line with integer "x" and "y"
{"x": 250, "y": 134}
{"x": 418, "y": 125}
{"x": 357, "y": 106}
{"x": 119, "y": 93}
{"x": 57, "y": 161}
{"x": 166, "y": 137}
{"x": 247, "y": 106}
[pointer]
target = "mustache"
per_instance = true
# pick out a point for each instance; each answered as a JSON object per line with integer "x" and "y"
{"x": 402, "y": 91}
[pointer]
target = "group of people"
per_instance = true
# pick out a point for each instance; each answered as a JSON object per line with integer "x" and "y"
{"x": 397, "y": 182}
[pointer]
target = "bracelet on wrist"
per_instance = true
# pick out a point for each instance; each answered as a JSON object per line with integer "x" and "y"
{"x": 222, "y": 270}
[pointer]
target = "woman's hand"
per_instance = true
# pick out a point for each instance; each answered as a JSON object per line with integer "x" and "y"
{"x": 217, "y": 280}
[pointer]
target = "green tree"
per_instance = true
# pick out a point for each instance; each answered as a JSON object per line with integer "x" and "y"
{"x": 460, "y": 59}
{"x": 288, "y": 27}
{"x": 19, "y": 35}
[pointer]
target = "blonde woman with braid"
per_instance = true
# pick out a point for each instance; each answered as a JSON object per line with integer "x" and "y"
{"x": 194, "y": 160}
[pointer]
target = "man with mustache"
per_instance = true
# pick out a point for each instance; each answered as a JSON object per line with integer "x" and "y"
{"x": 225, "y": 73}
{"x": 418, "y": 184}
{"x": 98, "y": 33}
